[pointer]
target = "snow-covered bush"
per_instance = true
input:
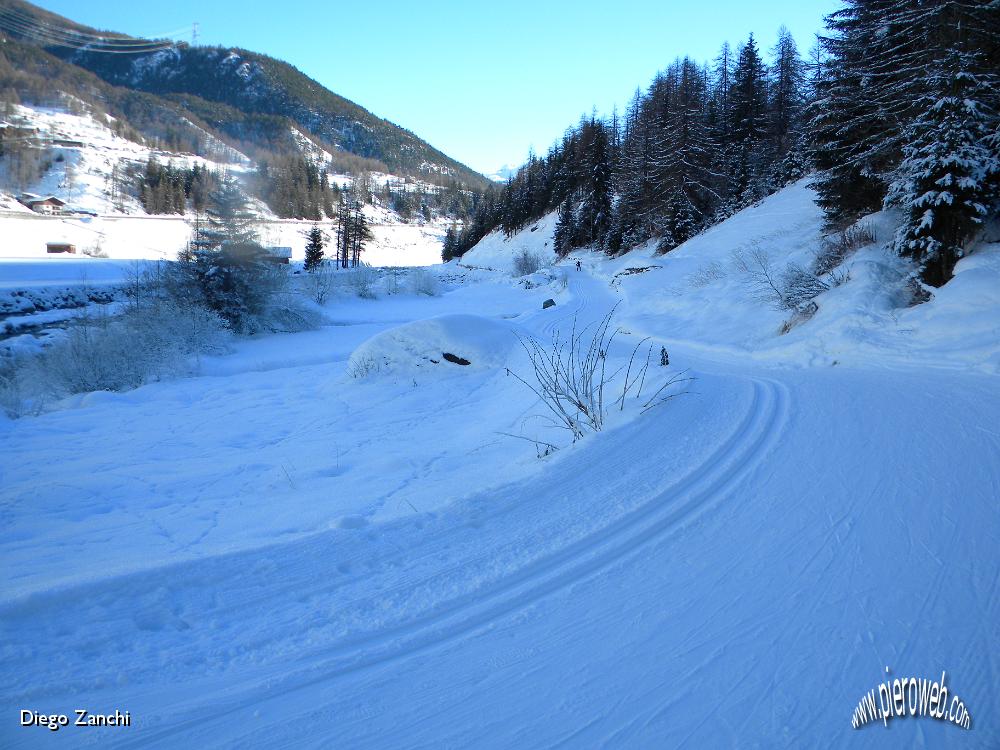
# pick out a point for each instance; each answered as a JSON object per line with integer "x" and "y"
{"x": 13, "y": 398}
{"x": 237, "y": 283}
{"x": 443, "y": 344}
{"x": 150, "y": 340}
{"x": 424, "y": 282}
{"x": 319, "y": 283}
{"x": 526, "y": 263}
{"x": 362, "y": 281}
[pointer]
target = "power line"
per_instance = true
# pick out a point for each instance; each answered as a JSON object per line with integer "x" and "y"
{"x": 47, "y": 34}
{"x": 30, "y": 21}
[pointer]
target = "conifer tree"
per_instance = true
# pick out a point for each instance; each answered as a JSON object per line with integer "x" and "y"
{"x": 562, "y": 238}
{"x": 748, "y": 125}
{"x": 946, "y": 181}
{"x": 314, "y": 248}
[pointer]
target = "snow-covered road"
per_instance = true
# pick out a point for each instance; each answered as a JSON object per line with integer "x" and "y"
{"x": 736, "y": 568}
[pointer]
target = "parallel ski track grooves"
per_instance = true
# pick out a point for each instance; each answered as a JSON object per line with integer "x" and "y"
{"x": 702, "y": 489}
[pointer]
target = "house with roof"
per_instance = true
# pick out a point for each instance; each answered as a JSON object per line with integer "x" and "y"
{"x": 42, "y": 204}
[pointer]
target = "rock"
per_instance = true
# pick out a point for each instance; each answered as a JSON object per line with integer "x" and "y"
{"x": 456, "y": 359}
{"x": 548, "y": 303}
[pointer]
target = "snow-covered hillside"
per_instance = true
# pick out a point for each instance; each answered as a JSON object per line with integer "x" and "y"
{"x": 706, "y": 293}
{"x": 497, "y": 252}
{"x": 85, "y": 151}
{"x": 346, "y": 538}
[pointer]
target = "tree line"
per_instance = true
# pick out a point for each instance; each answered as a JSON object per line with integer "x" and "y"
{"x": 906, "y": 116}
{"x": 701, "y": 142}
{"x": 166, "y": 189}
{"x": 896, "y": 107}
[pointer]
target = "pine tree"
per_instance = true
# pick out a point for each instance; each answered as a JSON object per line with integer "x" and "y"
{"x": 595, "y": 213}
{"x": 748, "y": 125}
{"x": 562, "y": 238}
{"x": 314, "y": 248}
{"x": 683, "y": 161}
{"x": 946, "y": 179}
{"x": 786, "y": 95}
{"x": 231, "y": 219}
{"x": 449, "y": 249}
{"x": 879, "y": 54}
{"x": 353, "y": 233}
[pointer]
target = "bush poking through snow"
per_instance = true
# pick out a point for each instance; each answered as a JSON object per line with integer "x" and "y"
{"x": 150, "y": 340}
{"x": 793, "y": 288}
{"x": 424, "y": 282}
{"x": 706, "y": 275}
{"x": 526, "y": 263}
{"x": 362, "y": 280}
{"x": 363, "y": 366}
{"x": 572, "y": 379}
{"x": 320, "y": 282}
{"x": 834, "y": 252}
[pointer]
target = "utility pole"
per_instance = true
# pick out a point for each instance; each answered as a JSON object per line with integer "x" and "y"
{"x": 194, "y": 34}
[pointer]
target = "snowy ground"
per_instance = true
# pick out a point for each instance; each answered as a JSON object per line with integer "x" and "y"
{"x": 81, "y": 175}
{"x": 275, "y": 553}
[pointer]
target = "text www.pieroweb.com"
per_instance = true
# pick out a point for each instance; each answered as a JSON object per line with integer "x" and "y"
{"x": 910, "y": 696}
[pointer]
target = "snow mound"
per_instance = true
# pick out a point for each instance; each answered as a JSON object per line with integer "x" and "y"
{"x": 447, "y": 344}
{"x": 497, "y": 252}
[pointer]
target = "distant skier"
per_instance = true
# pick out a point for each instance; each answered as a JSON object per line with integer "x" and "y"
{"x": 578, "y": 265}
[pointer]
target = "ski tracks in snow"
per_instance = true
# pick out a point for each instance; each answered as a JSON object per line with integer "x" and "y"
{"x": 709, "y": 484}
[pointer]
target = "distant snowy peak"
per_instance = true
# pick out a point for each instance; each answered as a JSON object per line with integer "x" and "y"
{"x": 503, "y": 174}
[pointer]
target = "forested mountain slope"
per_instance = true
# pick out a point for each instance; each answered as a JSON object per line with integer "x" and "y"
{"x": 240, "y": 94}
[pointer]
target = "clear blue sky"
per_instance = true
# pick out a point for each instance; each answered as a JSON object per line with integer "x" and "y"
{"x": 483, "y": 81}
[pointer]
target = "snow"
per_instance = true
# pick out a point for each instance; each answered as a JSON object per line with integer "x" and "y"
{"x": 62, "y": 270}
{"x": 275, "y": 553}
{"x": 125, "y": 231}
{"x": 497, "y": 252}
{"x": 420, "y": 346}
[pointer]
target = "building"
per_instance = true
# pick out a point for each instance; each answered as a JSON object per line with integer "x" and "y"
{"x": 47, "y": 204}
{"x": 278, "y": 255}
{"x": 59, "y": 247}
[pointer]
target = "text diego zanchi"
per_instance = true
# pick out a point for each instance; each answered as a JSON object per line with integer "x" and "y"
{"x": 82, "y": 717}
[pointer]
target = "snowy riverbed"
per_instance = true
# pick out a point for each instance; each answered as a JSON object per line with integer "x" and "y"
{"x": 276, "y": 553}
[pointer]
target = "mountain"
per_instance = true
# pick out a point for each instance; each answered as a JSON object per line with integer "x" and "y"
{"x": 504, "y": 173}
{"x": 245, "y": 98}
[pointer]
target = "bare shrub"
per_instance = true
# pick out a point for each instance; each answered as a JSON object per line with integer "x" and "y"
{"x": 361, "y": 367}
{"x": 424, "y": 282}
{"x": 800, "y": 287}
{"x": 571, "y": 377}
{"x": 835, "y": 251}
{"x": 155, "y": 335}
{"x": 526, "y": 263}
{"x": 147, "y": 342}
{"x": 13, "y": 394}
{"x": 320, "y": 282}
{"x": 764, "y": 282}
{"x": 362, "y": 281}
{"x": 793, "y": 288}
{"x": 706, "y": 275}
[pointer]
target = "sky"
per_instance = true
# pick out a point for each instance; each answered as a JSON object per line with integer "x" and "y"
{"x": 482, "y": 81}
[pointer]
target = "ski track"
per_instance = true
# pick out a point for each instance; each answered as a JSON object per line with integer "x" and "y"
{"x": 327, "y": 610}
{"x": 655, "y": 518}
